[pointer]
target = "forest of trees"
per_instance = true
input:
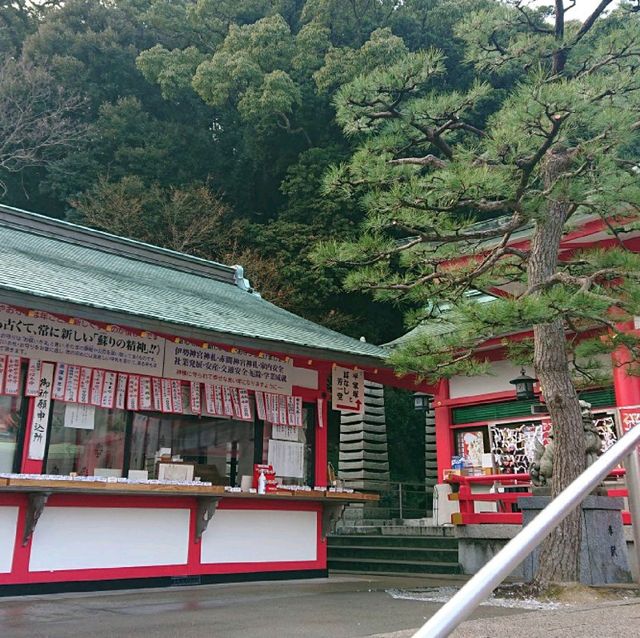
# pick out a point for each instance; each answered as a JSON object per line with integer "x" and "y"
{"x": 207, "y": 126}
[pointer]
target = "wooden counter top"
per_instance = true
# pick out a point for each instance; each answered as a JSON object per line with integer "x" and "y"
{"x": 145, "y": 489}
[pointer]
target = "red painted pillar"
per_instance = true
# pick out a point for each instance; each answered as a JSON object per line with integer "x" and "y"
{"x": 444, "y": 435}
{"x": 627, "y": 387}
{"x": 322, "y": 425}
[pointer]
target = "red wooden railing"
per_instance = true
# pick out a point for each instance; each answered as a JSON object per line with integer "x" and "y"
{"x": 506, "y": 500}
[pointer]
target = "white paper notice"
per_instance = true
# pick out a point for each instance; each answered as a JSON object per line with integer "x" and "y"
{"x": 40, "y": 418}
{"x": 286, "y": 458}
{"x": 33, "y": 378}
{"x": 80, "y": 417}
{"x": 285, "y": 432}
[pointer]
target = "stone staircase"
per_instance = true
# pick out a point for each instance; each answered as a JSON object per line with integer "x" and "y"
{"x": 390, "y": 548}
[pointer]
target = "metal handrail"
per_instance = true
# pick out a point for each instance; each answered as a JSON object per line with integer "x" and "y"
{"x": 517, "y": 549}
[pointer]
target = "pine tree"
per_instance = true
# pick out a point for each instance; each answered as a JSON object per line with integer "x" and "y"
{"x": 449, "y": 180}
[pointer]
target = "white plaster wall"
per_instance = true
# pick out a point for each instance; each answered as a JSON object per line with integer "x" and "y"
{"x": 496, "y": 380}
{"x": 498, "y": 377}
{"x": 103, "y": 537}
{"x": 260, "y": 536}
{"x": 8, "y": 526}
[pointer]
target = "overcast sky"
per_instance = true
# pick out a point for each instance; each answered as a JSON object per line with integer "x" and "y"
{"x": 582, "y": 10}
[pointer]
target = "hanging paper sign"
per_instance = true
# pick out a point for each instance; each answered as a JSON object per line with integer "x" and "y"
{"x": 146, "y": 398}
{"x": 262, "y": 415}
{"x": 282, "y": 410}
{"x": 167, "y": 403}
{"x": 228, "y": 401}
{"x": 33, "y": 378}
{"x": 629, "y": 418}
{"x": 59, "y": 382}
{"x": 271, "y": 401}
{"x": 235, "y": 400}
{"x": 291, "y": 411}
{"x": 176, "y": 396}
{"x": 208, "y": 399}
{"x": 230, "y": 369}
{"x": 12, "y": 380}
{"x": 219, "y": 403}
{"x": 73, "y": 384}
{"x": 84, "y": 388}
{"x": 109, "y": 389}
{"x": 347, "y": 389}
{"x": 194, "y": 393}
{"x": 245, "y": 405}
{"x": 3, "y": 365}
{"x": 121, "y": 391}
{"x": 40, "y": 417}
{"x": 157, "y": 394}
{"x": 97, "y": 380}
{"x": 133, "y": 390}
{"x": 285, "y": 432}
{"x": 39, "y": 335}
{"x": 321, "y": 412}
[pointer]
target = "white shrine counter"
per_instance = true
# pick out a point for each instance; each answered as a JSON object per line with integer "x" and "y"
{"x": 62, "y": 535}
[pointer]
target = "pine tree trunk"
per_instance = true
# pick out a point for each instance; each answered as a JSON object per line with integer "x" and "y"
{"x": 559, "y": 556}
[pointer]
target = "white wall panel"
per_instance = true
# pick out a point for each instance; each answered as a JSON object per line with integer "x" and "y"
{"x": 496, "y": 380}
{"x": 8, "y": 526}
{"x": 103, "y": 537}
{"x": 260, "y": 536}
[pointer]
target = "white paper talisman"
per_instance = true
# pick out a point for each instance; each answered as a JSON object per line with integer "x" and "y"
{"x": 84, "y": 387}
{"x": 109, "y": 389}
{"x": 59, "y": 382}
{"x": 121, "y": 391}
{"x": 194, "y": 393}
{"x": 133, "y": 392}
{"x": 33, "y": 378}
{"x": 146, "y": 397}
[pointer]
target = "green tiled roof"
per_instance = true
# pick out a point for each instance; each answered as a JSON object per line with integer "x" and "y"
{"x": 68, "y": 263}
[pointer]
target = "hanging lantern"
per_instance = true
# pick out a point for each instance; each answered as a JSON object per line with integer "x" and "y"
{"x": 420, "y": 401}
{"x": 524, "y": 386}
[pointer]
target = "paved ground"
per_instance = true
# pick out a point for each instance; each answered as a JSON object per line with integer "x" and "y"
{"x": 339, "y": 607}
{"x": 604, "y": 620}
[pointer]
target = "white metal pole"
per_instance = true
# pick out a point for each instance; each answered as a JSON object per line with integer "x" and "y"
{"x": 632, "y": 467}
{"x": 518, "y": 548}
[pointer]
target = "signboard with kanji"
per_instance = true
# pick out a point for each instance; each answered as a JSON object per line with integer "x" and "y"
{"x": 40, "y": 418}
{"x": 347, "y": 389}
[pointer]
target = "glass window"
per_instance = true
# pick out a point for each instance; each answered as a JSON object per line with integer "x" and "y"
{"x": 10, "y": 421}
{"x": 304, "y": 437}
{"x": 86, "y": 440}
{"x": 220, "y": 450}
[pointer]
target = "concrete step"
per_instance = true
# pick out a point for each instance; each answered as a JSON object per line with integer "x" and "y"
{"x": 434, "y": 543}
{"x": 365, "y": 566}
{"x": 393, "y": 554}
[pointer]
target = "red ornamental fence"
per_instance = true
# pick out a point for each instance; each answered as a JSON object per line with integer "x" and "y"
{"x": 513, "y": 486}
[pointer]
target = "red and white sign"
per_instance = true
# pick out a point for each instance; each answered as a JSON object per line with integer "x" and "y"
{"x": 33, "y": 378}
{"x": 12, "y": 380}
{"x": 109, "y": 389}
{"x": 84, "y": 389}
{"x": 176, "y": 396}
{"x": 73, "y": 384}
{"x": 59, "y": 382}
{"x": 157, "y": 394}
{"x": 167, "y": 403}
{"x": 228, "y": 401}
{"x": 3, "y": 365}
{"x": 133, "y": 391}
{"x": 245, "y": 405}
{"x": 347, "y": 389}
{"x": 146, "y": 393}
{"x": 40, "y": 417}
{"x": 260, "y": 409}
{"x": 629, "y": 418}
{"x": 194, "y": 393}
{"x": 121, "y": 391}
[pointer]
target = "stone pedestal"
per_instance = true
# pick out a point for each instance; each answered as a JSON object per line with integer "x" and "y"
{"x": 603, "y": 554}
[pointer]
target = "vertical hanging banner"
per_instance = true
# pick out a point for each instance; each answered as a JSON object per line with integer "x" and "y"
{"x": 146, "y": 393}
{"x": 208, "y": 399}
{"x": 109, "y": 389}
{"x": 3, "y": 365}
{"x": 262, "y": 415}
{"x": 176, "y": 396}
{"x": 133, "y": 390}
{"x": 235, "y": 399}
{"x": 84, "y": 387}
{"x": 59, "y": 382}
{"x": 245, "y": 406}
{"x": 73, "y": 384}
{"x": 167, "y": 403}
{"x": 40, "y": 417}
{"x": 282, "y": 410}
{"x": 157, "y": 394}
{"x": 228, "y": 401}
{"x": 12, "y": 380}
{"x": 194, "y": 393}
{"x": 347, "y": 389}
{"x": 321, "y": 403}
{"x": 97, "y": 380}
{"x": 121, "y": 391}
{"x": 33, "y": 378}
{"x": 217, "y": 399}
